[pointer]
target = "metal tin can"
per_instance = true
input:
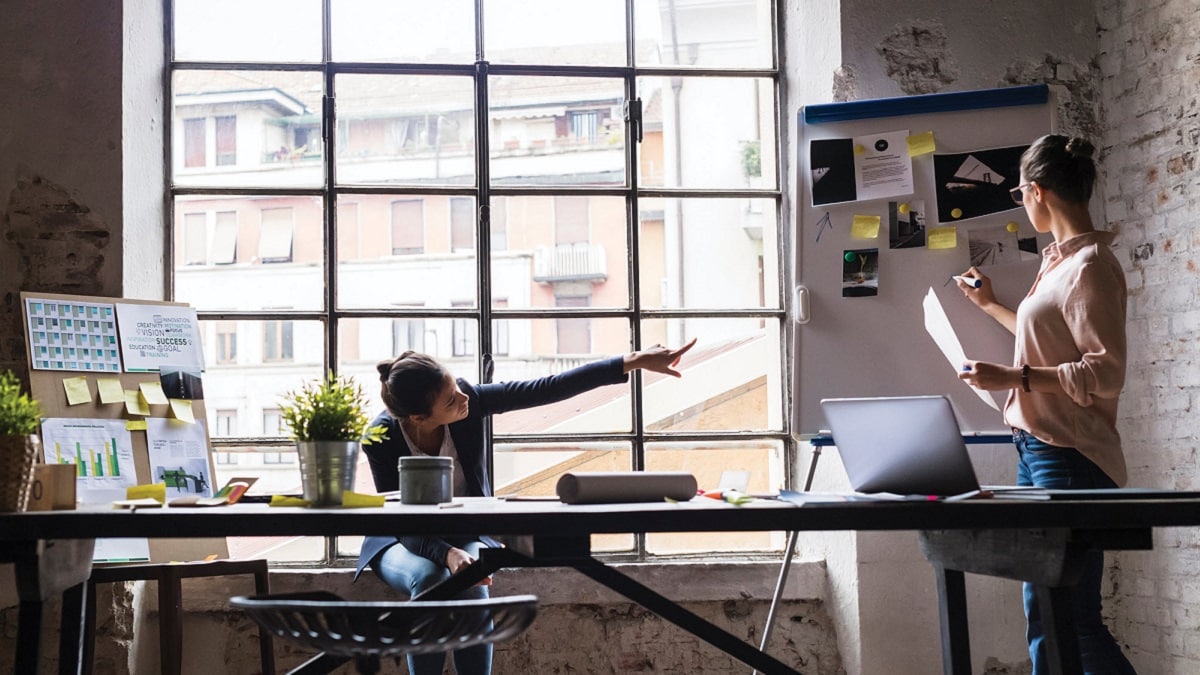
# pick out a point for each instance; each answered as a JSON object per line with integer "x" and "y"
{"x": 426, "y": 480}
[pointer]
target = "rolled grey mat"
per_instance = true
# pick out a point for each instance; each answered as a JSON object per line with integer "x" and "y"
{"x": 607, "y": 487}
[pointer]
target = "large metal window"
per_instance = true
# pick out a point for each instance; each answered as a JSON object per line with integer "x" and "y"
{"x": 512, "y": 186}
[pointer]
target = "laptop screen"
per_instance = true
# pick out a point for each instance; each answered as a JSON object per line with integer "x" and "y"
{"x": 905, "y": 445}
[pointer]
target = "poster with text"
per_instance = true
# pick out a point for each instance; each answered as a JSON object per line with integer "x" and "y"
{"x": 153, "y": 336}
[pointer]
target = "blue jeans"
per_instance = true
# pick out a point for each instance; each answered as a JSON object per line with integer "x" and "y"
{"x": 409, "y": 573}
{"x": 1049, "y": 466}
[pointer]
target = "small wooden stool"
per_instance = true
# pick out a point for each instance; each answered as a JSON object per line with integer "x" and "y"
{"x": 170, "y": 604}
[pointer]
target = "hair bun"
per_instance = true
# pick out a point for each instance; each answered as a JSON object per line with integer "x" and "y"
{"x": 385, "y": 369}
{"x": 1079, "y": 147}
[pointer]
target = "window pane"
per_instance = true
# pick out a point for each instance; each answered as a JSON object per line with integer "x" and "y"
{"x": 265, "y": 128}
{"x": 236, "y": 30}
{"x": 412, "y": 130}
{"x": 704, "y": 34}
{"x": 708, "y": 132}
{"x": 365, "y": 342}
{"x": 416, "y": 32}
{"x": 555, "y": 33}
{"x": 557, "y": 130}
{"x": 275, "y": 257}
{"x": 195, "y": 238}
{"x": 739, "y": 387}
{"x": 591, "y": 263}
{"x": 404, "y": 254}
{"x": 684, "y": 240}
{"x": 706, "y": 461}
{"x": 224, "y": 246}
{"x": 534, "y": 352}
{"x": 462, "y": 223}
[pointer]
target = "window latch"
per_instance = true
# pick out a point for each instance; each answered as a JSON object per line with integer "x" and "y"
{"x": 633, "y": 116}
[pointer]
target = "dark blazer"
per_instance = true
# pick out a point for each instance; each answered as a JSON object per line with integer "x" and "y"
{"x": 484, "y": 400}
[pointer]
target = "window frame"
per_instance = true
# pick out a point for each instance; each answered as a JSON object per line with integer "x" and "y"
{"x": 487, "y": 317}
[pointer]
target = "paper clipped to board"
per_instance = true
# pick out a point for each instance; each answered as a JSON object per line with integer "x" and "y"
{"x": 937, "y": 324}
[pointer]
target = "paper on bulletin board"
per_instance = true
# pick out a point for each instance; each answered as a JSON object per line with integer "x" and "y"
{"x": 179, "y": 457}
{"x": 159, "y": 335}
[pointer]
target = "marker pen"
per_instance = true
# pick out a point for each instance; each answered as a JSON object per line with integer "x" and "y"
{"x": 970, "y": 281}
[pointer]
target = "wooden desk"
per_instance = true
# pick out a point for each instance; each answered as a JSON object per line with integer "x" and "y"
{"x": 557, "y": 534}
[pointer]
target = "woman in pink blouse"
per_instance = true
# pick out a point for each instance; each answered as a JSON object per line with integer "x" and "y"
{"x": 1068, "y": 367}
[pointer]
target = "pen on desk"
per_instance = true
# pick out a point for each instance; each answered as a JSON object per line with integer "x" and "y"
{"x": 449, "y": 505}
{"x": 970, "y": 281}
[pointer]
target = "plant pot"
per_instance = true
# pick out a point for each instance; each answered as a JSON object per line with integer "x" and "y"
{"x": 327, "y": 470}
{"x": 17, "y": 457}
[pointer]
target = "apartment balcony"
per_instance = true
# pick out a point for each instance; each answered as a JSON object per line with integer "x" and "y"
{"x": 569, "y": 262}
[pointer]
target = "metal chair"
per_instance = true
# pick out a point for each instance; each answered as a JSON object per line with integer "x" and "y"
{"x": 367, "y": 631}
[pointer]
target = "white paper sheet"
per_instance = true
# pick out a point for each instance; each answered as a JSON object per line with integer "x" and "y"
{"x": 179, "y": 457}
{"x": 883, "y": 168}
{"x": 937, "y": 324}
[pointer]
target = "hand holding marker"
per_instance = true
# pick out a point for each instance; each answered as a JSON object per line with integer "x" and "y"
{"x": 970, "y": 281}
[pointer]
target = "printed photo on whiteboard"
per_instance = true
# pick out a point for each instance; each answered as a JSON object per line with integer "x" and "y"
{"x": 1000, "y": 245}
{"x": 831, "y": 162}
{"x": 860, "y": 273}
{"x": 181, "y": 382}
{"x": 974, "y": 184}
{"x": 153, "y": 336}
{"x": 882, "y": 166}
{"x": 906, "y": 224}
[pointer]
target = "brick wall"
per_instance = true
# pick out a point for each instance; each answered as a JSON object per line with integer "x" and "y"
{"x": 1149, "y": 65}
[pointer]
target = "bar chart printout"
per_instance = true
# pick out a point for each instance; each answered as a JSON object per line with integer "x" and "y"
{"x": 101, "y": 451}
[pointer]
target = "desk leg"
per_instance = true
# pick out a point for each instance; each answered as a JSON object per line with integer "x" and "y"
{"x": 44, "y": 568}
{"x": 681, "y": 617}
{"x": 1058, "y": 627}
{"x": 29, "y": 636}
{"x": 952, "y": 615}
{"x": 72, "y": 623}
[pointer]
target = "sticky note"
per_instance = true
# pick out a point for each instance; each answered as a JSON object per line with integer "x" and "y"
{"x": 182, "y": 409}
{"x": 157, "y": 491}
{"x": 110, "y": 390}
{"x": 77, "y": 390}
{"x": 284, "y": 500}
{"x": 921, "y": 144}
{"x": 135, "y": 425}
{"x": 943, "y": 237}
{"x": 153, "y": 392}
{"x": 135, "y": 404}
{"x": 865, "y": 227}
{"x": 355, "y": 499}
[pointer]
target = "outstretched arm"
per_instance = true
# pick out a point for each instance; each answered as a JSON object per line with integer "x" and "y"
{"x": 657, "y": 359}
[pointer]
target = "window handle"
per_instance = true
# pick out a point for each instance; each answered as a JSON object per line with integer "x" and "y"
{"x": 633, "y": 116}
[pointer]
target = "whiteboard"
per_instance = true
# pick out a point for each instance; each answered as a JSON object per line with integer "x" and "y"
{"x": 877, "y": 345}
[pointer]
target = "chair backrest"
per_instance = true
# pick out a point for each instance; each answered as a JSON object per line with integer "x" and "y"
{"x": 326, "y": 622}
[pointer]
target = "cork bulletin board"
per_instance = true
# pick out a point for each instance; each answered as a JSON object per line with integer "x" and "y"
{"x": 117, "y": 403}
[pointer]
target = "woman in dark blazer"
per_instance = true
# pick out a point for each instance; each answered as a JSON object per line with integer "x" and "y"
{"x": 429, "y": 412}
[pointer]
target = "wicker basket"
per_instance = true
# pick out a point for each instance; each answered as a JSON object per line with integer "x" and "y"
{"x": 17, "y": 456}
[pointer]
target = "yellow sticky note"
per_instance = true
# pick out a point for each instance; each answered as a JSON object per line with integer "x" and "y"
{"x": 135, "y": 404}
{"x": 943, "y": 237}
{"x": 865, "y": 227}
{"x": 182, "y": 409}
{"x": 356, "y": 499}
{"x": 153, "y": 392}
{"x": 283, "y": 500}
{"x": 77, "y": 390}
{"x": 135, "y": 425}
{"x": 157, "y": 491}
{"x": 110, "y": 390}
{"x": 921, "y": 144}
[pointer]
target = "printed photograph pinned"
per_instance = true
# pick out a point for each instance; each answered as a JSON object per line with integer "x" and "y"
{"x": 906, "y": 224}
{"x": 999, "y": 245}
{"x": 973, "y": 184}
{"x": 860, "y": 273}
{"x": 832, "y": 164}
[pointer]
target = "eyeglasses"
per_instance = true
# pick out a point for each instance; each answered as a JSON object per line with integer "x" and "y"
{"x": 1018, "y": 193}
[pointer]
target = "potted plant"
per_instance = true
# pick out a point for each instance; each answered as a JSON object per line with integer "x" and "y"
{"x": 328, "y": 421}
{"x": 20, "y": 445}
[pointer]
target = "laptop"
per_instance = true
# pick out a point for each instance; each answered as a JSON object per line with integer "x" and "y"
{"x": 907, "y": 445}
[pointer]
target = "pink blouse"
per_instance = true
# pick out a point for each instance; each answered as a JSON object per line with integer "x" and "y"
{"x": 1074, "y": 318}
